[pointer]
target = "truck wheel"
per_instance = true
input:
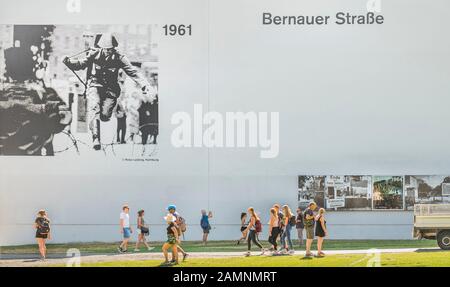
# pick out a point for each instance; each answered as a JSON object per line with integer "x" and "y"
{"x": 443, "y": 239}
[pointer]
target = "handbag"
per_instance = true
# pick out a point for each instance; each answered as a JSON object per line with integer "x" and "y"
{"x": 145, "y": 230}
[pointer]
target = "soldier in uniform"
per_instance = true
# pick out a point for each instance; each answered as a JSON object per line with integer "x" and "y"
{"x": 103, "y": 63}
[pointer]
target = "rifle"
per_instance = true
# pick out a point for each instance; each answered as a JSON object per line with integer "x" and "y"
{"x": 78, "y": 77}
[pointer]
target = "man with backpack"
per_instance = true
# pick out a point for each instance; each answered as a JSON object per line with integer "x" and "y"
{"x": 309, "y": 222}
{"x": 180, "y": 224}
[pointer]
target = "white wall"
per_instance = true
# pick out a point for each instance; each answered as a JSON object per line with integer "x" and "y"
{"x": 89, "y": 210}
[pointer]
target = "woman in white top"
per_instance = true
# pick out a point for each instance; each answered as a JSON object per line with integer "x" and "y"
{"x": 125, "y": 228}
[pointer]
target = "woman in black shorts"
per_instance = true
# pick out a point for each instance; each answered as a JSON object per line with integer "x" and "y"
{"x": 42, "y": 226}
{"x": 143, "y": 231}
{"x": 244, "y": 225}
{"x": 321, "y": 231}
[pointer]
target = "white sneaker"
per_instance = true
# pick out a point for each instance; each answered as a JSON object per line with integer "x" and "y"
{"x": 247, "y": 254}
{"x": 263, "y": 251}
{"x": 150, "y": 248}
{"x": 136, "y": 250}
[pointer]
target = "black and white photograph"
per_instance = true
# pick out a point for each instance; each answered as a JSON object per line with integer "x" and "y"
{"x": 348, "y": 192}
{"x": 311, "y": 189}
{"x": 79, "y": 90}
{"x": 333, "y": 192}
{"x": 426, "y": 189}
{"x": 388, "y": 192}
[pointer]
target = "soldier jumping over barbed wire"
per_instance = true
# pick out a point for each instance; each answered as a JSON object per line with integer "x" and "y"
{"x": 103, "y": 63}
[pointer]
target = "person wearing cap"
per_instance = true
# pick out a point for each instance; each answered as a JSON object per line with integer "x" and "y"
{"x": 172, "y": 209}
{"x": 103, "y": 63}
{"x": 173, "y": 239}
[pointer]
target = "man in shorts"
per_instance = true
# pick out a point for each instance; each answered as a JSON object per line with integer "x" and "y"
{"x": 125, "y": 228}
{"x": 172, "y": 209}
{"x": 309, "y": 222}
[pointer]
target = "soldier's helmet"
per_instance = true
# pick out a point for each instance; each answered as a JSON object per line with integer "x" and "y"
{"x": 107, "y": 40}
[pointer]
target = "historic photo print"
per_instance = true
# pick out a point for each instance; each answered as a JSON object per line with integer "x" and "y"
{"x": 79, "y": 90}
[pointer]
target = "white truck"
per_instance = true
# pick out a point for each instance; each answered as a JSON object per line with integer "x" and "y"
{"x": 432, "y": 221}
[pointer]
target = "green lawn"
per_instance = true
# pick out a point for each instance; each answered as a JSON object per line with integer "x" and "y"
{"x": 415, "y": 259}
{"x": 217, "y": 246}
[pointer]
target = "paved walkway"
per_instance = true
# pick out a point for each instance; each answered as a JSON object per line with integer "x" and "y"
{"x": 29, "y": 260}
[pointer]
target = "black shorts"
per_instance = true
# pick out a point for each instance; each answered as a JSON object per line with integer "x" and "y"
{"x": 41, "y": 235}
{"x": 206, "y": 229}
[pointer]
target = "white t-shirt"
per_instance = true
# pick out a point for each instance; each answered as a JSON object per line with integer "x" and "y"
{"x": 126, "y": 219}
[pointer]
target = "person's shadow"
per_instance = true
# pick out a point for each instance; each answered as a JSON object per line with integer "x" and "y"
{"x": 31, "y": 260}
{"x": 424, "y": 250}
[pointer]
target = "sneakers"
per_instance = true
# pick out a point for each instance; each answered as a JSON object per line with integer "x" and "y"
{"x": 150, "y": 248}
{"x": 247, "y": 254}
{"x": 119, "y": 249}
{"x": 136, "y": 250}
{"x": 263, "y": 251}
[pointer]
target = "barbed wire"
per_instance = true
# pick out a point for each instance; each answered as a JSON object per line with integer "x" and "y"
{"x": 75, "y": 142}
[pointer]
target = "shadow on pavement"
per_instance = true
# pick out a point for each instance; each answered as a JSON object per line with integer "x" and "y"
{"x": 423, "y": 250}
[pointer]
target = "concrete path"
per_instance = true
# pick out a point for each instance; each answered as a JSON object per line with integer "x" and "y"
{"x": 28, "y": 260}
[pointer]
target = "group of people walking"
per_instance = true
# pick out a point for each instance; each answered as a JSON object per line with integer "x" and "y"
{"x": 176, "y": 226}
{"x": 281, "y": 223}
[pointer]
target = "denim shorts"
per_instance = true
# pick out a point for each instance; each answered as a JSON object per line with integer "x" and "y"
{"x": 126, "y": 232}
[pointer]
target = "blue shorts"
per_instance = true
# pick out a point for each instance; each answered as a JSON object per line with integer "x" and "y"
{"x": 126, "y": 232}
